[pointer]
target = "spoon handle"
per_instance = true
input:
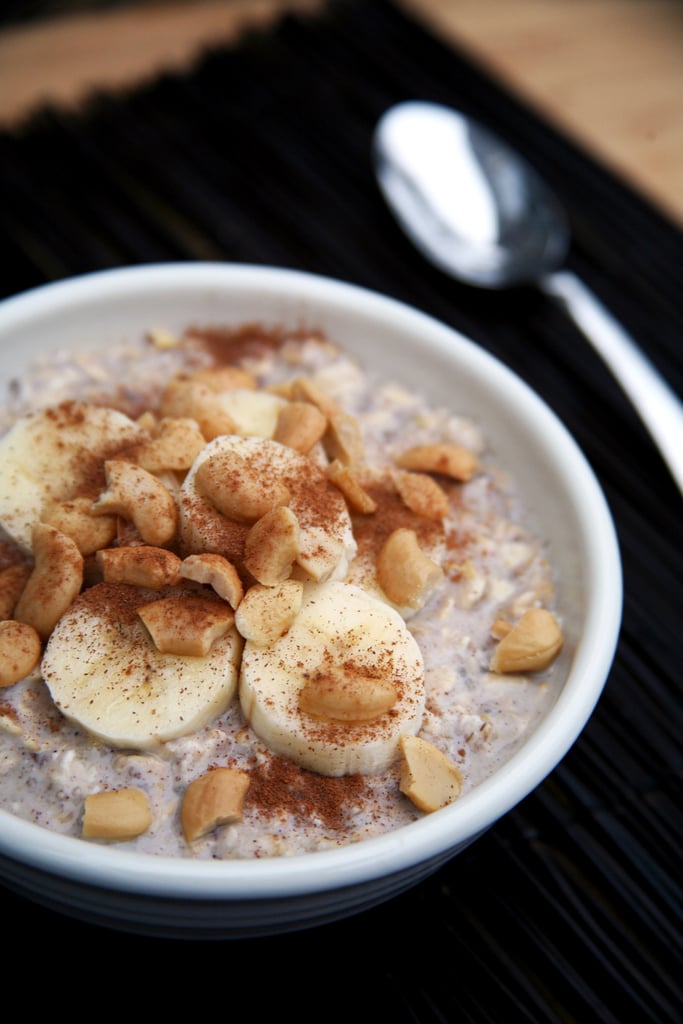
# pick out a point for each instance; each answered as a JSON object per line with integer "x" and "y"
{"x": 658, "y": 406}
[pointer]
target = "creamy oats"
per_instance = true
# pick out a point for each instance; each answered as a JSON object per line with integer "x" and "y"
{"x": 442, "y": 551}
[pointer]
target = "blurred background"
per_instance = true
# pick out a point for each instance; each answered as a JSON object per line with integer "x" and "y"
{"x": 607, "y": 72}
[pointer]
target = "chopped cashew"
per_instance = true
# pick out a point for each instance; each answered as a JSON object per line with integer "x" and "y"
{"x": 215, "y": 571}
{"x": 190, "y": 399}
{"x": 20, "y": 650}
{"x": 176, "y": 444}
{"x": 305, "y": 389}
{"x": 117, "y": 814}
{"x": 346, "y": 480}
{"x": 140, "y": 497}
{"x": 447, "y": 459}
{"x": 300, "y": 425}
{"x": 188, "y": 624}
{"x": 531, "y": 645}
{"x": 75, "y": 519}
{"x": 422, "y": 494}
{"x": 237, "y": 491}
{"x": 428, "y": 777}
{"x": 55, "y": 581}
{"x": 272, "y": 546}
{"x": 342, "y": 439}
{"x": 140, "y": 565}
{"x": 213, "y": 799}
{"x": 404, "y": 572}
{"x": 347, "y": 695}
{"x": 266, "y": 613}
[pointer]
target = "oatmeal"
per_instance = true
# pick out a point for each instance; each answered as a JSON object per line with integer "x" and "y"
{"x": 254, "y": 600}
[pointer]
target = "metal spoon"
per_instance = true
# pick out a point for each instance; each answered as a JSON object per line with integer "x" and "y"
{"x": 481, "y": 213}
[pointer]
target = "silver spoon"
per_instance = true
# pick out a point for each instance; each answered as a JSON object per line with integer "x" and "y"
{"x": 481, "y": 213}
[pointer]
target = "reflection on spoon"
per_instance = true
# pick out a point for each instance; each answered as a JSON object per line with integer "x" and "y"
{"x": 482, "y": 214}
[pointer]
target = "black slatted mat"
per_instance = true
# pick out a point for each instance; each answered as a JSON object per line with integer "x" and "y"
{"x": 570, "y": 908}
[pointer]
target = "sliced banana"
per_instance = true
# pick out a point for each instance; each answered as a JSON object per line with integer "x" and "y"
{"x": 105, "y": 674}
{"x": 326, "y": 540}
{"x": 57, "y": 453}
{"x": 254, "y": 412}
{"x": 345, "y": 650}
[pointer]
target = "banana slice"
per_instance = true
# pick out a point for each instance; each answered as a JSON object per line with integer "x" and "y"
{"x": 104, "y": 672}
{"x": 326, "y": 540}
{"x": 254, "y": 412}
{"x": 340, "y": 689}
{"x": 57, "y": 453}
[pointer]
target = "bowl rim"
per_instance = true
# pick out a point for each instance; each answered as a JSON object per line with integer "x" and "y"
{"x": 434, "y": 835}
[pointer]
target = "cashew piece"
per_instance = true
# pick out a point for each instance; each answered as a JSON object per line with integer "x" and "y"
{"x": 343, "y": 477}
{"x": 189, "y": 624}
{"x": 233, "y": 488}
{"x": 55, "y": 581}
{"x": 117, "y": 814}
{"x": 140, "y": 565}
{"x": 214, "y": 798}
{"x": 76, "y": 520}
{"x": 347, "y": 697}
{"x": 300, "y": 425}
{"x": 447, "y": 459}
{"x": 140, "y": 497}
{"x": 215, "y": 571}
{"x": 175, "y": 446}
{"x": 428, "y": 777}
{"x": 404, "y": 572}
{"x": 531, "y": 645}
{"x": 421, "y": 494}
{"x": 20, "y": 650}
{"x": 272, "y": 546}
{"x": 184, "y": 398}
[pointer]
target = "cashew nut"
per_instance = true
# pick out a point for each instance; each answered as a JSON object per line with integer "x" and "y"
{"x": 76, "y": 520}
{"x": 404, "y": 572}
{"x": 118, "y": 814}
{"x": 20, "y": 650}
{"x": 531, "y": 645}
{"x": 214, "y": 798}
{"x": 215, "y": 571}
{"x": 300, "y": 425}
{"x": 189, "y": 624}
{"x": 55, "y": 581}
{"x": 236, "y": 490}
{"x": 175, "y": 446}
{"x": 272, "y": 546}
{"x": 343, "y": 477}
{"x": 139, "y": 565}
{"x": 422, "y": 494}
{"x": 447, "y": 459}
{"x": 140, "y": 497}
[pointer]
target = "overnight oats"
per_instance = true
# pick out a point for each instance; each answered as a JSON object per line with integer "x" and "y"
{"x": 255, "y": 601}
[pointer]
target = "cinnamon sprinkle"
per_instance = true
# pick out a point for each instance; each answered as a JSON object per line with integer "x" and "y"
{"x": 279, "y": 785}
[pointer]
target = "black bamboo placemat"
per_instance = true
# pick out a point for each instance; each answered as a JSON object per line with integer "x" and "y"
{"x": 570, "y": 908}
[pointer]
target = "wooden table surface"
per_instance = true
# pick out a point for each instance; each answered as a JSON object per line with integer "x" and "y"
{"x": 609, "y": 73}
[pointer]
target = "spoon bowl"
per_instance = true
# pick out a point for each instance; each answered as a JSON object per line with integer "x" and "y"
{"x": 480, "y": 212}
{"x": 473, "y": 207}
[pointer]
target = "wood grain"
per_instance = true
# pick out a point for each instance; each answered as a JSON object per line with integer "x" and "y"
{"x": 609, "y": 73}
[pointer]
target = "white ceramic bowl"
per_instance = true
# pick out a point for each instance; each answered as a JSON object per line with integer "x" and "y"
{"x": 231, "y": 899}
